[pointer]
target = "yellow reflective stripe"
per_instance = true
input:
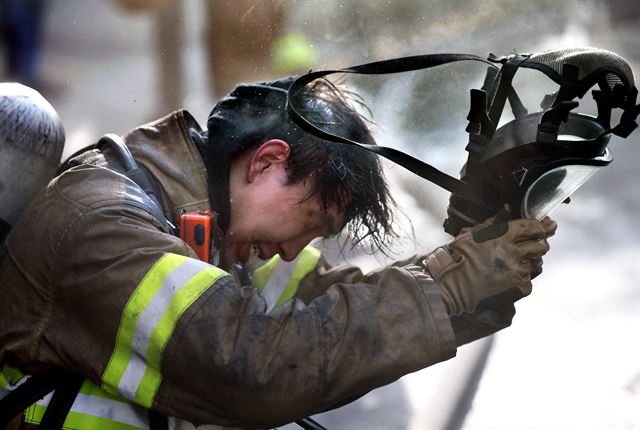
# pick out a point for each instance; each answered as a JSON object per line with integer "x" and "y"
{"x": 261, "y": 275}
{"x": 149, "y": 318}
{"x": 94, "y": 408}
{"x": 10, "y": 375}
{"x": 307, "y": 261}
{"x": 132, "y": 311}
{"x": 184, "y": 298}
{"x": 92, "y": 389}
{"x": 78, "y": 421}
{"x": 151, "y": 315}
{"x": 10, "y": 379}
{"x": 270, "y": 277}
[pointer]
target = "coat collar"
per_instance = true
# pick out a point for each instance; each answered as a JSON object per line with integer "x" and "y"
{"x": 166, "y": 150}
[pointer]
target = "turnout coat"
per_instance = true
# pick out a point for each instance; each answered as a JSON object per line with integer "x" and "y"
{"x": 92, "y": 282}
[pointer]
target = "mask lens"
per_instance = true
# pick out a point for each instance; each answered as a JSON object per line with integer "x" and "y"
{"x": 553, "y": 187}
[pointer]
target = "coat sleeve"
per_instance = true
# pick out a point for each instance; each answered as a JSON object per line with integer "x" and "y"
{"x": 264, "y": 369}
{"x": 491, "y": 317}
{"x": 139, "y": 315}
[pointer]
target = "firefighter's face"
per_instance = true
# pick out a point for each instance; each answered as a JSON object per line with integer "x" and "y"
{"x": 269, "y": 217}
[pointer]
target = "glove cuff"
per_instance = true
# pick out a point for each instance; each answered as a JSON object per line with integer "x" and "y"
{"x": 437, "y": 262}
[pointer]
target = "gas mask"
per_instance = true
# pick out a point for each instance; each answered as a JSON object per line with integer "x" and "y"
{"x": 536, "y": 161}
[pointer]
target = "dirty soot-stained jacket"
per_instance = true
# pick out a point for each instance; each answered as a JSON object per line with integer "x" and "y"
{"x": 83, "y": 269}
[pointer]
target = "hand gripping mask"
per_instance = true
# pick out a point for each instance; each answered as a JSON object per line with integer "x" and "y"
{"x": 532, "y": 163}
{"x": 537, "y": 161}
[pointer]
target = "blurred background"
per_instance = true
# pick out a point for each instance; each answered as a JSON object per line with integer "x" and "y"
{"x": 571, "y": 360}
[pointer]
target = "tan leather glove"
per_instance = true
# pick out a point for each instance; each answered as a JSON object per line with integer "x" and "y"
{"x": 476, "y": 266}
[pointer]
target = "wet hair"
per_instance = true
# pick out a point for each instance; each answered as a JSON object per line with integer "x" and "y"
{"x": 342, "y": 175}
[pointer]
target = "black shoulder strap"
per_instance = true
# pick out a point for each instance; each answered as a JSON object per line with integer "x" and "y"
{"x": 396, "y": 65}
{"x": 157, "y": 421}
{"x": 140, "y": 189}
{"x": 61, "y": 401}
{"x": 5, "y": 228}
{"x": 66, "y": 386}
{"x": 144, "y": 193}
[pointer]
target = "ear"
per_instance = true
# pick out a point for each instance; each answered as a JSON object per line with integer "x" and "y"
{"x": 271, "y": 153}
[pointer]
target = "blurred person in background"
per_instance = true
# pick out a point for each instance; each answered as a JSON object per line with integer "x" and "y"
{"x": 21, "y": 34}
{"x": 239, "y": 40}
{"x": 247, "y": 39}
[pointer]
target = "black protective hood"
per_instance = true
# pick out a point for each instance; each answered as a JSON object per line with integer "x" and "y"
{"x": 239, "y": 120}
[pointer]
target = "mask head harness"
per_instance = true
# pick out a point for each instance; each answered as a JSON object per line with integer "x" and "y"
{"x": 532, "y": 163}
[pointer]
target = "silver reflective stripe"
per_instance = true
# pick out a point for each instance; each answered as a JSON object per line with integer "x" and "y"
{"x": 278, "y": 281}
{"x": 154, "y": 311}
{"x": 109, "y": 409}
{"x": 9, "y": 387}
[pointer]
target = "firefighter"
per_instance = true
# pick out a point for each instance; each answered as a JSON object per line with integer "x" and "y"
{"x": 95, "y": 282}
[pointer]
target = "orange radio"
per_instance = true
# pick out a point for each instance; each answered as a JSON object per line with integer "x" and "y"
{"x": 198, "y": 230}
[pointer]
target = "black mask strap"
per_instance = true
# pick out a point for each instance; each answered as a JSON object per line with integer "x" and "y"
{"x": 628, "y": 120}
{"x": 396, "y": 65}
{"x": 5, "y": 228}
